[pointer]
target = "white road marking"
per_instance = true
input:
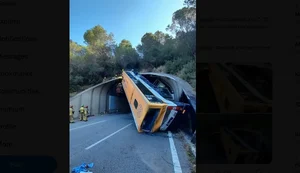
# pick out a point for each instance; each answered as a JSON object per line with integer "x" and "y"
{"x": 176, "y": 163}
{"x": 87, "y": 148}
{"x": 87, "y": 125}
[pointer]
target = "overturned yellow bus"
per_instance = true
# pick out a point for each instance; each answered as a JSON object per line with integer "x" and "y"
{"x": 150, "y": 110}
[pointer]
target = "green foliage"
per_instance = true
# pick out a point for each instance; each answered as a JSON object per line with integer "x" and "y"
{"x": 126, "y": 56}
{"x": 188, "y": 73}
{"x": 99, "y": 42}
{"x": 102, "y": 58}
{"x": 190, "y": 3}
{"x": 97, "y": 36}
{"x": 183, "y": 20}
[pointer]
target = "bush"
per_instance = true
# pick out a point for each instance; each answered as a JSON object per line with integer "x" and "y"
{"x": 188, "y": 73}
{"x": 160, "y": 69}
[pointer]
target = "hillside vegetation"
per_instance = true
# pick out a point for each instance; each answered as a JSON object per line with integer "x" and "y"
{"x": 101, "y": 58}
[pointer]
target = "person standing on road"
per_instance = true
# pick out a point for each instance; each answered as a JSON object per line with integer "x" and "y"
{"x": 71, "y": 114}
{"x": 85, "y": 117}
{"x": 81, "y": 112}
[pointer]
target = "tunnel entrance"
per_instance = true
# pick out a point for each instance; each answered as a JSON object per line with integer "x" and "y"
{"x": 116, "y": 99}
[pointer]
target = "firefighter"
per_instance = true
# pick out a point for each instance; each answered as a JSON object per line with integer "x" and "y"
{"x": 85, "y": 116}
{"x": 71, "y": 114}
{"x": 81, "y": 113}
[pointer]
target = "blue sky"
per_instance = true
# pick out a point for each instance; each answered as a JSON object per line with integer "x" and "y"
{"x": 126, "y": 19}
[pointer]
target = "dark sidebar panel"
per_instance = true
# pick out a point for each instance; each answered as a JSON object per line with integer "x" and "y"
{"x": 34, "y": 71}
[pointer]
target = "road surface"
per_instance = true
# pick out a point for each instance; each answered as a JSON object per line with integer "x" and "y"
{"x": 113, "y": 144}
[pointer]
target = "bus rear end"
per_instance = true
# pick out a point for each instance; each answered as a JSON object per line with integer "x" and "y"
{"x": 154, "y": 117}
{"x": 172, "y": 111}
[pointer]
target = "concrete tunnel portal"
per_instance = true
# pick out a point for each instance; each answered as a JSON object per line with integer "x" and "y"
{"x": 103, "y": 99}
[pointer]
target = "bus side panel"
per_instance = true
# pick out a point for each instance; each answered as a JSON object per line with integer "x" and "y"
{"x": 160, "y": 118}
{"x": 128, "y": 86}
{"x": 139, "y": 107}
{"x": 137, "y": 102}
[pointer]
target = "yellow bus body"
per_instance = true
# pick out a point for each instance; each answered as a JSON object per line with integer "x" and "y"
{"x": 140, "y": 105}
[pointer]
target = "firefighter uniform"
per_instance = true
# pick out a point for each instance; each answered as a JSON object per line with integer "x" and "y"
{"x": 85, "y": 116}
{"x": 81, "y": 113}
{"x": 71, "y": 114}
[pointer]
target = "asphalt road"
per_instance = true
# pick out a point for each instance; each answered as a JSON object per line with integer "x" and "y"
{"x": 113, "y": 144}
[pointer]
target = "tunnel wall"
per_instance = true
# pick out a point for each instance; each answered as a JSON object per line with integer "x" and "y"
{"x": 93, "y": 97}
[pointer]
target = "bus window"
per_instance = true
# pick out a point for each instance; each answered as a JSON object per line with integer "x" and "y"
{"x": 136, "y": 104}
